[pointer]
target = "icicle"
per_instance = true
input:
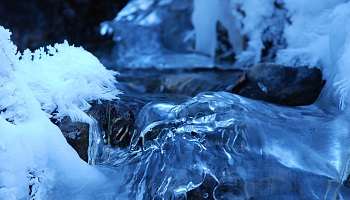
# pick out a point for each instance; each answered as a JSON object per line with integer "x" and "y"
{"x": 95, "y": 138}
{"x": 204, "y": 18}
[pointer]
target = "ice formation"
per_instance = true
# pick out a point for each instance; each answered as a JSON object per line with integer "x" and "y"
{"x": 316, "y": 36}
{"x": 308, "y": 33}
{"x": 252, "y": 149}
{"x": 263, "y": 149}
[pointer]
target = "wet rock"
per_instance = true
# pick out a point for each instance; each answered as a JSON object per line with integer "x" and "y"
{"x": 116, "y": 126}
{"x": 77, "y": 135}
{"x": 180, "y": 82}
{"x": 281, "y": 85}
{"x": 115, "y": 119}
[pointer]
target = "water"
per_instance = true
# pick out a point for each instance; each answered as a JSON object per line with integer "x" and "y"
{"x": 249, "y": 149}
{"x": 216, "y": 145}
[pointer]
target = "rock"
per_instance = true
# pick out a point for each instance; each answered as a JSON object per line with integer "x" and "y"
{"x": 281, "y": 85}
{"x": 77, "y": 135}
{"x": 116, "y": 119}
{"x": 180, "y": 82}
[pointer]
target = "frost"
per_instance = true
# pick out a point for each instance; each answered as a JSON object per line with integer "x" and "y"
{"x": 315, "y": 34}
{"x": 256, "y": 21}
{"x": 318, "y": 36}
{"x": 8, "y": 52}
{"x": 35, "y": 157}
{"x": 340, "y": 52}
{"x": 54, "y": 73}
{"x": 63, "y": 79}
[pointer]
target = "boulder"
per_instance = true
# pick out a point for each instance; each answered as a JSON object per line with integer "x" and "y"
{"x": 289, "y": 86}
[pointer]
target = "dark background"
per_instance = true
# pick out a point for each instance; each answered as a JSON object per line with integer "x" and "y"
{"x": 38, "y": 23}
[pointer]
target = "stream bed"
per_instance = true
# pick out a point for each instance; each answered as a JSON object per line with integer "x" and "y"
{"x": 184, "y": 135}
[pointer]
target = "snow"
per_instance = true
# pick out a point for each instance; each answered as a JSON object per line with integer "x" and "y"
{"x": 204, "y": 19}
{"x": 36, "y": 153}
{"x": 52, "y": 74}
{"x": 251, "y": 24}
{"x": 33, "y": 151}
{"x": 316, "y": 36}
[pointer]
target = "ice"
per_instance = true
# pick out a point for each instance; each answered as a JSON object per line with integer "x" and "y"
{"x": 204, "y": 18}
{"x": 256, "y": 148}
{"x": 162, "y": 33}
{"x": 292, "y": 33}
{"x": 177, "y": 28}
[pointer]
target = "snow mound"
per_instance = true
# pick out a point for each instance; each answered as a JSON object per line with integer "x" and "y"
{"x": 36, "y": 160}
{"x": 63, "y": 79}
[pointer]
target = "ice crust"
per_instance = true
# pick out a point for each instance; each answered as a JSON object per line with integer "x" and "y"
{"x": 271, "y": 151}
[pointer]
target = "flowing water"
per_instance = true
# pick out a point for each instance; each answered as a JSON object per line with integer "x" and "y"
{"x": 191, "y": 138}
{"x": 218, "y": 145}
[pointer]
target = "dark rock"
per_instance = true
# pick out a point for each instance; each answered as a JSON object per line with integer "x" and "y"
{"x": 116, "y": 119}
{"x": 282, "y": 85}
{"x": 77, "y": 135}
{"x": 346, "y": 183}
{"x": 224, "y": 50}
{"x": 180, "y": 82}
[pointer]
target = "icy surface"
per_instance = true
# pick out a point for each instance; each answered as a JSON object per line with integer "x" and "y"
{"x": 292, "y": 33}
{"x": 272, "y": 151}
{"x": 147, "y": 29}
{"x": 155, "y": 34}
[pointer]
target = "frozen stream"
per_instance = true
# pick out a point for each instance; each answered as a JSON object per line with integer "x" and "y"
{"x": 252, "y": 149}
{"x": 195, "y": 144}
